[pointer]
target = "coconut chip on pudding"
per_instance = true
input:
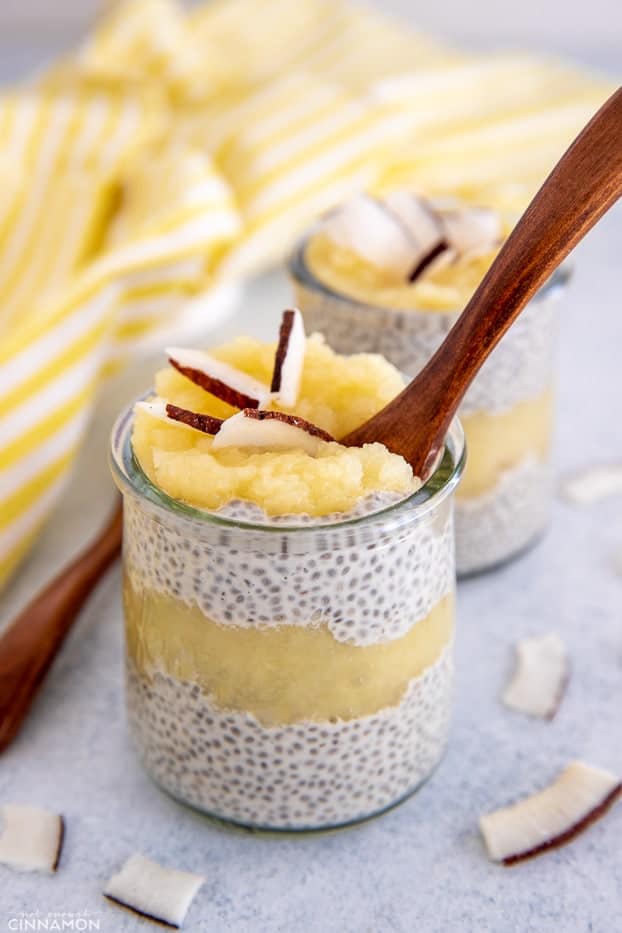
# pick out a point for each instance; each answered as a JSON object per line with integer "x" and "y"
{"x": 541, "y": 676}
{"x": 270, "y": 430}
{"x": 407, "y": 235}
{"x": 225, "y": 382}
{"x": 153, "y": 891}
{"x": 281, "y": 455}
{"x": 289, "y": 358}
{"x": 161, "y": 409}
{"x": 551, "y": 818}
{"x": 31, "y": 838}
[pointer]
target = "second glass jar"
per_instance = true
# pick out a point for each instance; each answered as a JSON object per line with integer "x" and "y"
{"x": 504, "y": 500}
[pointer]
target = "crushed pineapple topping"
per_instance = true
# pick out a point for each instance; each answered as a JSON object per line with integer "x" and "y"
{"x": 336, "y": 394}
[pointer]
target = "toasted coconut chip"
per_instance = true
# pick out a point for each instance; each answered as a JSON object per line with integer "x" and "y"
{"x": 593, "y": 484}
{"x": 440, "y": 251}
{"x": 155, "y": 407}
{"x": 204, "y": 423}
{"x": 171, "y": 414}
{"x": 366, "y": 227}
{"x": 471, "y": 231}
{"x": 225, "y": 382}
{"x": 408, "y": 235}
{"x": 425, "y": 228}
{"x": 418, "y": 217}
{"x": 552, "y": 817}
{"x": 270, "y": 430}
{"x": 31, "y": 839}
{"x": 149, "y": 889}
{"x": 541, "y": 675}
{"x": 289, "y": 358}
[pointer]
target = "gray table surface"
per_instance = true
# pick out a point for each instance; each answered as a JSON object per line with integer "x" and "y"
{"x": 423, "y": 865}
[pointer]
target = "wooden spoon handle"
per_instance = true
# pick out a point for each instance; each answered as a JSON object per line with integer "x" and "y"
{"x": 585, "y": 183}
{"x": 30, "y": 644}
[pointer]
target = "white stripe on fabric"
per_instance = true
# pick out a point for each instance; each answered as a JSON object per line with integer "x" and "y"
{"x": 299, "y": 142}
{"x": 57, "y": 393}
{"x": 313, "y": 99}
{"x": 23, "y": 229}
{"x": 25, "y": 115}
{"x": 20, "y": 368}
{"x": 32, "y": 517}
{"x": 115, "y": 146}
{"x": 191, "y": 236}
{"x": 184, "y": 270}
{"x": 332, "y": 160}
{"x": 52, "y": 449}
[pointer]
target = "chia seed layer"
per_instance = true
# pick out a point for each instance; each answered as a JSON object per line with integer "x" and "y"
{"x": 519, "y": 368}
{"x": 367, "y": 582}
{"x": 305, "y": 775}
{"x": 493, "y": 527}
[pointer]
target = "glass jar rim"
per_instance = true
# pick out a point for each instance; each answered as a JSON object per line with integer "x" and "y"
{"x": 130, "y": 478}
{"x": 300, "y": 271}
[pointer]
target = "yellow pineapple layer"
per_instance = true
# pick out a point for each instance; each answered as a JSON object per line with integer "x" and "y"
{"x": 499, "y": 442}
{"x": 345, "y": 272}
{"x": 280, "y": 675}
{"x": 337, "y": 393}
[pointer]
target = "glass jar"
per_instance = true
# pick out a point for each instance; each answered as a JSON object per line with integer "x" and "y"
{"x": 288, "y": 676}
{"x": 504, "y": 501}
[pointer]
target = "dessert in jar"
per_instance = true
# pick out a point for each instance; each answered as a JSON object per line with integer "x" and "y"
{"x": 289, "y": 601}
{"x": 391, "y": 276}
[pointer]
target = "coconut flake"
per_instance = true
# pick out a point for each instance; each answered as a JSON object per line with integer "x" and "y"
{"x": 164, "y": 411}
{"x": 155, "y": 408}
{"x": 270, "y": 430}
{"x": 153, "y": 891}
{"x": 31, "y": 838}
{"x": 541, "y": 675}
{"x": 593, "y": 484}
{"x": 418, "y": 217}
{"x": 439, "y": 255}
{"x": 289, "y": 358}
{"x": 431, "y": 248}
{"x": 226, "y": 382}
{"x": 552, "y": 817}
{"x": 471, "y": 231}
{"x": 425, "y": 228}
{"x": 408, "y": 235}
{"x": 364, "y": 226}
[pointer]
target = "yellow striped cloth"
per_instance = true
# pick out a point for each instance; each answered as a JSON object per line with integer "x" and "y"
{"x": 177, "y": 151}
{"x": 106, "y": 230}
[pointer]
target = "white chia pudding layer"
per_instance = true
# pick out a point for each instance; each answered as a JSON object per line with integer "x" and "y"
{"x": 518, "y": 369}
{"x": 504, "y": 520}
{"x": 368, "y": 582}
{"x": 298, "y": 776}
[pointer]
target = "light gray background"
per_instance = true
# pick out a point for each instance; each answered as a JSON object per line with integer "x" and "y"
{"x": 590, "y": 31}
{"x": 423, "y": 866}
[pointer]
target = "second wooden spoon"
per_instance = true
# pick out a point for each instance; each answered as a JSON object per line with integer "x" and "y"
{"x": 584, "y": 184}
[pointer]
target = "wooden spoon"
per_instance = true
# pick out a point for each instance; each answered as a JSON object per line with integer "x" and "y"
{"x": 584, "y": 184}
{"x": 30, "y": 644}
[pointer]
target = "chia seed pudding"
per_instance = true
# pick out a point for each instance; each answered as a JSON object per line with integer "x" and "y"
{"x": 504, "y": 501}
{"x": 288, "y": 671}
